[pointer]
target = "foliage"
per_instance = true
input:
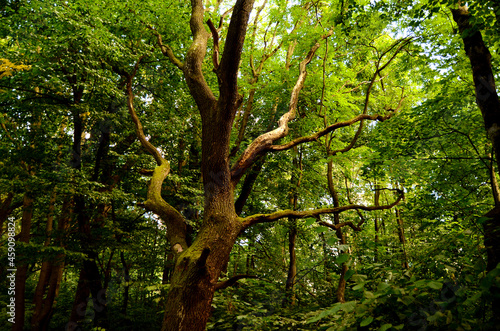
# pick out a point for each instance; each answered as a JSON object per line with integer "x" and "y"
{"x": 67, "y": 141}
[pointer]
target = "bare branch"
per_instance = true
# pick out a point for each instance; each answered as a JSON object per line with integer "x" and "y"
{"x": 263, "y": 218}
{"x": 329, "y": 129}
{"x": 165, "y": 49}
{"x": 138, "y": 125}
{"x": 264, "y": 141}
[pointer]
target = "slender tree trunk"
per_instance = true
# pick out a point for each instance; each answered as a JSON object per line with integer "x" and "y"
{"x": 292, "y": 267}
{"x": 290, "y": 295}
{"x": 51, "y": 273}
{"x": 89, "y": 283}
{"x": 377, "y": 203}
{"x": 495, "y": 190}
{"x": 249, "y": 258}
{"x": 126, "y": 276}
{"x": 22, "y": 268}
{"x": 402, "y": 239}
{"x": 340, "y": 293}
{"x": 90, "y": 280}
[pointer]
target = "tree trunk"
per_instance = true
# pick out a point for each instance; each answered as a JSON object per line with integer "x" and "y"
{"x": 402, "y": 238}
{"x": 126, "y": 278}
{"x": 292, "y": 267}
{"x": 90, "y": 280}
{"x": 489, "y": 104}
{"x": 340, "y": 293}
{"x": 196, "y": 273}
{"x": 50, "y": 277}
{"x": 495, "y": 190}
{"x": 292, "y": 234}
{"x": 376, "y": 203}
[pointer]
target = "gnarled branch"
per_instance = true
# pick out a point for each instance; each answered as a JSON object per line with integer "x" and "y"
{"x": 174, "y": 221}
{"x": 264, "y": 141}
{"x": 193, "y": 65}
{"x": 167, "y": 50}
{"x": 333, "y": 127}
{"x": 263, "y": 218}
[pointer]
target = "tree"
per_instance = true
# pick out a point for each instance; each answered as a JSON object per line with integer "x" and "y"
{"x": 488, "y": 102}
{"x": 198, "y": 266}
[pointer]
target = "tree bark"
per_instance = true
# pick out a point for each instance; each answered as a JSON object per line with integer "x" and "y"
{"x": 290, "y": 295}
{"x": 50, "y": 277}
{"x": 197, "y": 268}
{"x": 402, "y": 239}
{"x": 376, "y": 203}
{"x": 126, "y": 278}
{"x": 340, "y": 293}
{"x": 489, "y": 104}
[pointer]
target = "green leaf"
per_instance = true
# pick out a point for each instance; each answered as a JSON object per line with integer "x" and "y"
{"x": 310, "y": 221}
{"x": 369, "y": 295}
{"x": 342, "y": 258}
{"x": 435, "y": 285}
{"x": 348, "y": 306}
{"x": 358, "y": 287}
{"x": 320, "y": 229}
{"x": 382, "y": 287}
{"x": 385, "y": 327}
{"x": 435, "y": 317}
{"x": 359, "y": 278}
{"x": 366, "y": 321}
{"x": 332, "y": 241}
{"x": 349, "y": 274}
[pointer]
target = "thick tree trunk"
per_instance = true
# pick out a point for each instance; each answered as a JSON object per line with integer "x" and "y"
{"x": 489, "y": 104}
{"x": 196, "y": 273}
